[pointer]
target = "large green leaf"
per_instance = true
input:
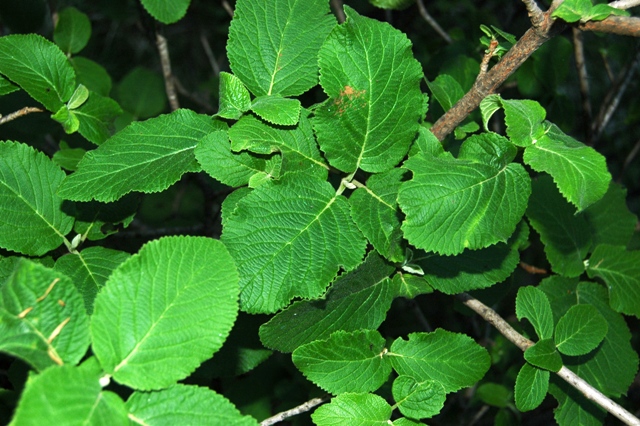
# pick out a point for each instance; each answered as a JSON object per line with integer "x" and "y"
{"x": 147, "y": 156}
{"x": 94, "y": 117}
{"x": 72, "y": 31}
{"x": 454, "y": 204}
{"x": 416, "y": 399}
{"x": 31, "y": 218}
{"x": 580, "y": 330}
{"x": 185, "y": 405}
{"x": 610, "y": 221}
{"x": 620, "y": 270}
{"x": 39, "y": 67}
{"x": 452, "y": 359}
{"x": 277, "y": 110}
{"x": 543, "y": 354}
{"x": 42, "y": 317}
{"x": 166, "y": 11}
{"x": 532, "y": 304}
{"x": 289, "y": 240}
{"x": 345, "y": 362}
{"x": 354, "y": 409}
{"x": 531, "y": 387}
{"x": 373, "y": 83}
{"x": 357, "y": 300}
{"x": 273, "y": 45}
{"x": 164, "y": 311}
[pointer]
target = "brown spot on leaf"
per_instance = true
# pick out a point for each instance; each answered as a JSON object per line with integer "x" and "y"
{"x": 349, "y": 98}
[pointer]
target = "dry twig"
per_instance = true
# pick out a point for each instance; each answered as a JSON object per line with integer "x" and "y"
{"x": 19, "y": 113}
{"x": 169, "y": 84}
{"x": 302, "y": 408}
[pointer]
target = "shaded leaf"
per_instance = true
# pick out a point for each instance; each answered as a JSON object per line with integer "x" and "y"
{"x": 543, "y": 354}
{"x": 166, "y": 11}
{"x": 72, "y": 31}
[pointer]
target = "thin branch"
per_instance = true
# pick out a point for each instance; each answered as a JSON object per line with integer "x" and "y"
{"x": 624, "y": 4}
{"x": 621, "y": 25}
{"x": 303, "y": 408}
{"x": 536, "y": 15}
{"x": 212, "y": 59}
{"x": 569, "y": 376}
{"x": 583, "y": 77}
{"x": 632, "y": 154}
{"x": 338, "y": 9}
{"x": 434, "y": 24}
{"x": 18, "y": 113}
{"x": 227, "y": 7}
{"x": 169, "y": 84}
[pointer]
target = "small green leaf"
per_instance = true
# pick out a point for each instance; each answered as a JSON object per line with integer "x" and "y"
{"x": 183, "y": 404}
{"x": 354, "y": 409}
{"x": 446, "y": 90}
{"x": 95, "y": 117}
{"x": 572, "y": 10}
{"x": 72, "y": 31}
{"x": 166, "y": 11}
{"x": 418, "y": 400}
{"x": 488, "y": 106}
{"x": 68, "y": 119}
{"x": 494, "y": 394}
{"x": 345, "y": 362}
{"x": 524, "y": 120}
{"x": 141, "y": 92}
{"x": 356, "y": 300}
{"x": 531, "y": 387}
{"x": 277, "y": 110}
{"x": 283, "y": 60}
{"x": 544, "y": 355}
{"x": 392, "y": 4}
{"x": 620, "y": 270}
{"x": 31, "y": 218}
{"x": 39, "y": 67}
{"x": 42, "y": 317}
{"x": 68, "y": 158}
{"x": 580, "y": 330}
{"x": 6, "y": 86}
{"x": 532, "y": 304}
{"x": 409, "y": 286}
{"x": 452, "y": 359}
{"x": 150, "y": 330}
{"x": 601, "y": 11}
{"x": 234, "y": 97}
{"x": 79, "y": 97}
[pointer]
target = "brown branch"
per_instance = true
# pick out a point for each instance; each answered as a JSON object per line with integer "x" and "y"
{"x": 583, "y": 77}
{"x": 169, "y": 84}
{"x": 294, "y": 411}
{"x": 536, "y": 15}
{"x": 434, "y": 24}
{"x": 621, "y": 25}
{"x": 624, "y": 4}
{"x": 569, "y": 376}
{"x": 338, "y": 9}
{"x": 18, "y": 113}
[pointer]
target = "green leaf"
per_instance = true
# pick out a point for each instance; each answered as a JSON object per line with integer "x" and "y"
{"x": 183, "y": 404}
{"x": 488, "y": 106}
{"x": 494, "y": 394}
{"x": 610, "y": 221}
{"x": 532, "y": 304}
{"x": 277, "y": 110}
{"x": 68, "y": 119}
{"x": 375, "y": 104}
{"x": 31, "y": 218}
{"x": 418, "y": 400}
{"x": 163, "y": 153}
{"x": 289, "y": 240}
{"x": 72, "y": 31}
{"x": 356, "y": 300}
{"x": 166, "y": 11}
{"x": 543, "y": 354}
{"x": 92, "y": 75}
{"x": 580, "y": 330}
{"x": 620, "y": 270}
{"x": 141, "y": 92}
{"x": 392, "y": 4}
{"x": 453, "y": 204}
{"x": 95, "y": 221}
{"x": 69, "y": 396}
{"x": 601, "y": 11}
{"x": 150, "y": 330}
{"x": 273, "y": 46}
{"x": 353, "y": 409}
{"x": 6, "y": 86}
{"x": 446, "y": 90}
{"x": 572, "y": 10}
{"x": 565, "y": 234}
{"x": 531, "y": 387}
{"x": 79, "y": 97}
{"x": 214, "y": 155}
{"x": 452, "y": 359}
{"x": 39, "y": 67}
{"x": 68, "y": 158}
{"x": 409, "y": 286}
{"x": 524, "y": 120}
{"x": 234, "y": 97}
{"x": 574, "y": 409}
{"x": 42, "y": 317}
{"x": 579, "y": 171}
{"x": 345, "y": 362}
{"x": 375, "y": 210}
{"x": 95, "y": 116}
{"x": 89, "y": 270}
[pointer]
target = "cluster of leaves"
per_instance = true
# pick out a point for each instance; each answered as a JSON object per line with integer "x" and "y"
{"x": 338, "y": 208}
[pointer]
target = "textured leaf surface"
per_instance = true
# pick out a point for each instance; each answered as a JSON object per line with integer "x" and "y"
{"x": 89, "y": 270}
{"x": 533, "y": 304}
{"x": 146, "y": 156}
{"x": 357, "y": 300}
{"x": 531, "y": 387}
{"x": 166, "y": 11}
{"x": 234, "y": 97}
{"x": 94, "y": 117}
{"x": 565, "y": 234}
{"x": 452, "y": 204}
{"x": 543, "y": 354}
{"x": 610, "y": 220}
{"x": 72, "y": 31}
{"x": 34, "y": 325}
{"x": 69, "y": 396}
{"x": 524, "y": 120}
{"x": 375, "y": 101}
{"x": 273, "y": 46}
{"x": 446, "y": 90}
{"x": 185, "y": 405}
{"x": 164, "y": 311}
{"x": 375, "y": 210}
{"x": 31, "y": 217}
{"x": 345, "y": 362}
{"x": 620, "y": 270}
{"x": 418, "y": 400}
{"x": 452, "y": 359}
{"x": 580, "y": 330}
{"x": 574, "y": 409}
{"x": 277, "y": 110}
{"x": 289, "y": 240}
{"x": 6, "y": 86}
{"x": 39, "y": 67}
{"x": 579, "y": 171}
{"x": 354, "y": 409}
{"x": 409, "y": 286}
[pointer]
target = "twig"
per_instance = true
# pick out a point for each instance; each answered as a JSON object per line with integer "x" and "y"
{"x": 193, "y": 97}
{"x": 212, "y": 59}
{"x": 434, "y": 24}
{"x": 227, "y": 7}
{"x": 169, "y": 84}
{"x": 533, "y": 270}
{"x": 303, "y": 408}
{"x": 632, "y": 154}
{"x": 536, "y": 15}
{"x": 621, "y": 25}
{"x": 578, "y": 52}
{"x": 488, "y": 54}
{"x": 569, "y": 376}
{"x": 19, "y": 113}
{"x": 624, "y": 4}
{"x": 338, "y": 10}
